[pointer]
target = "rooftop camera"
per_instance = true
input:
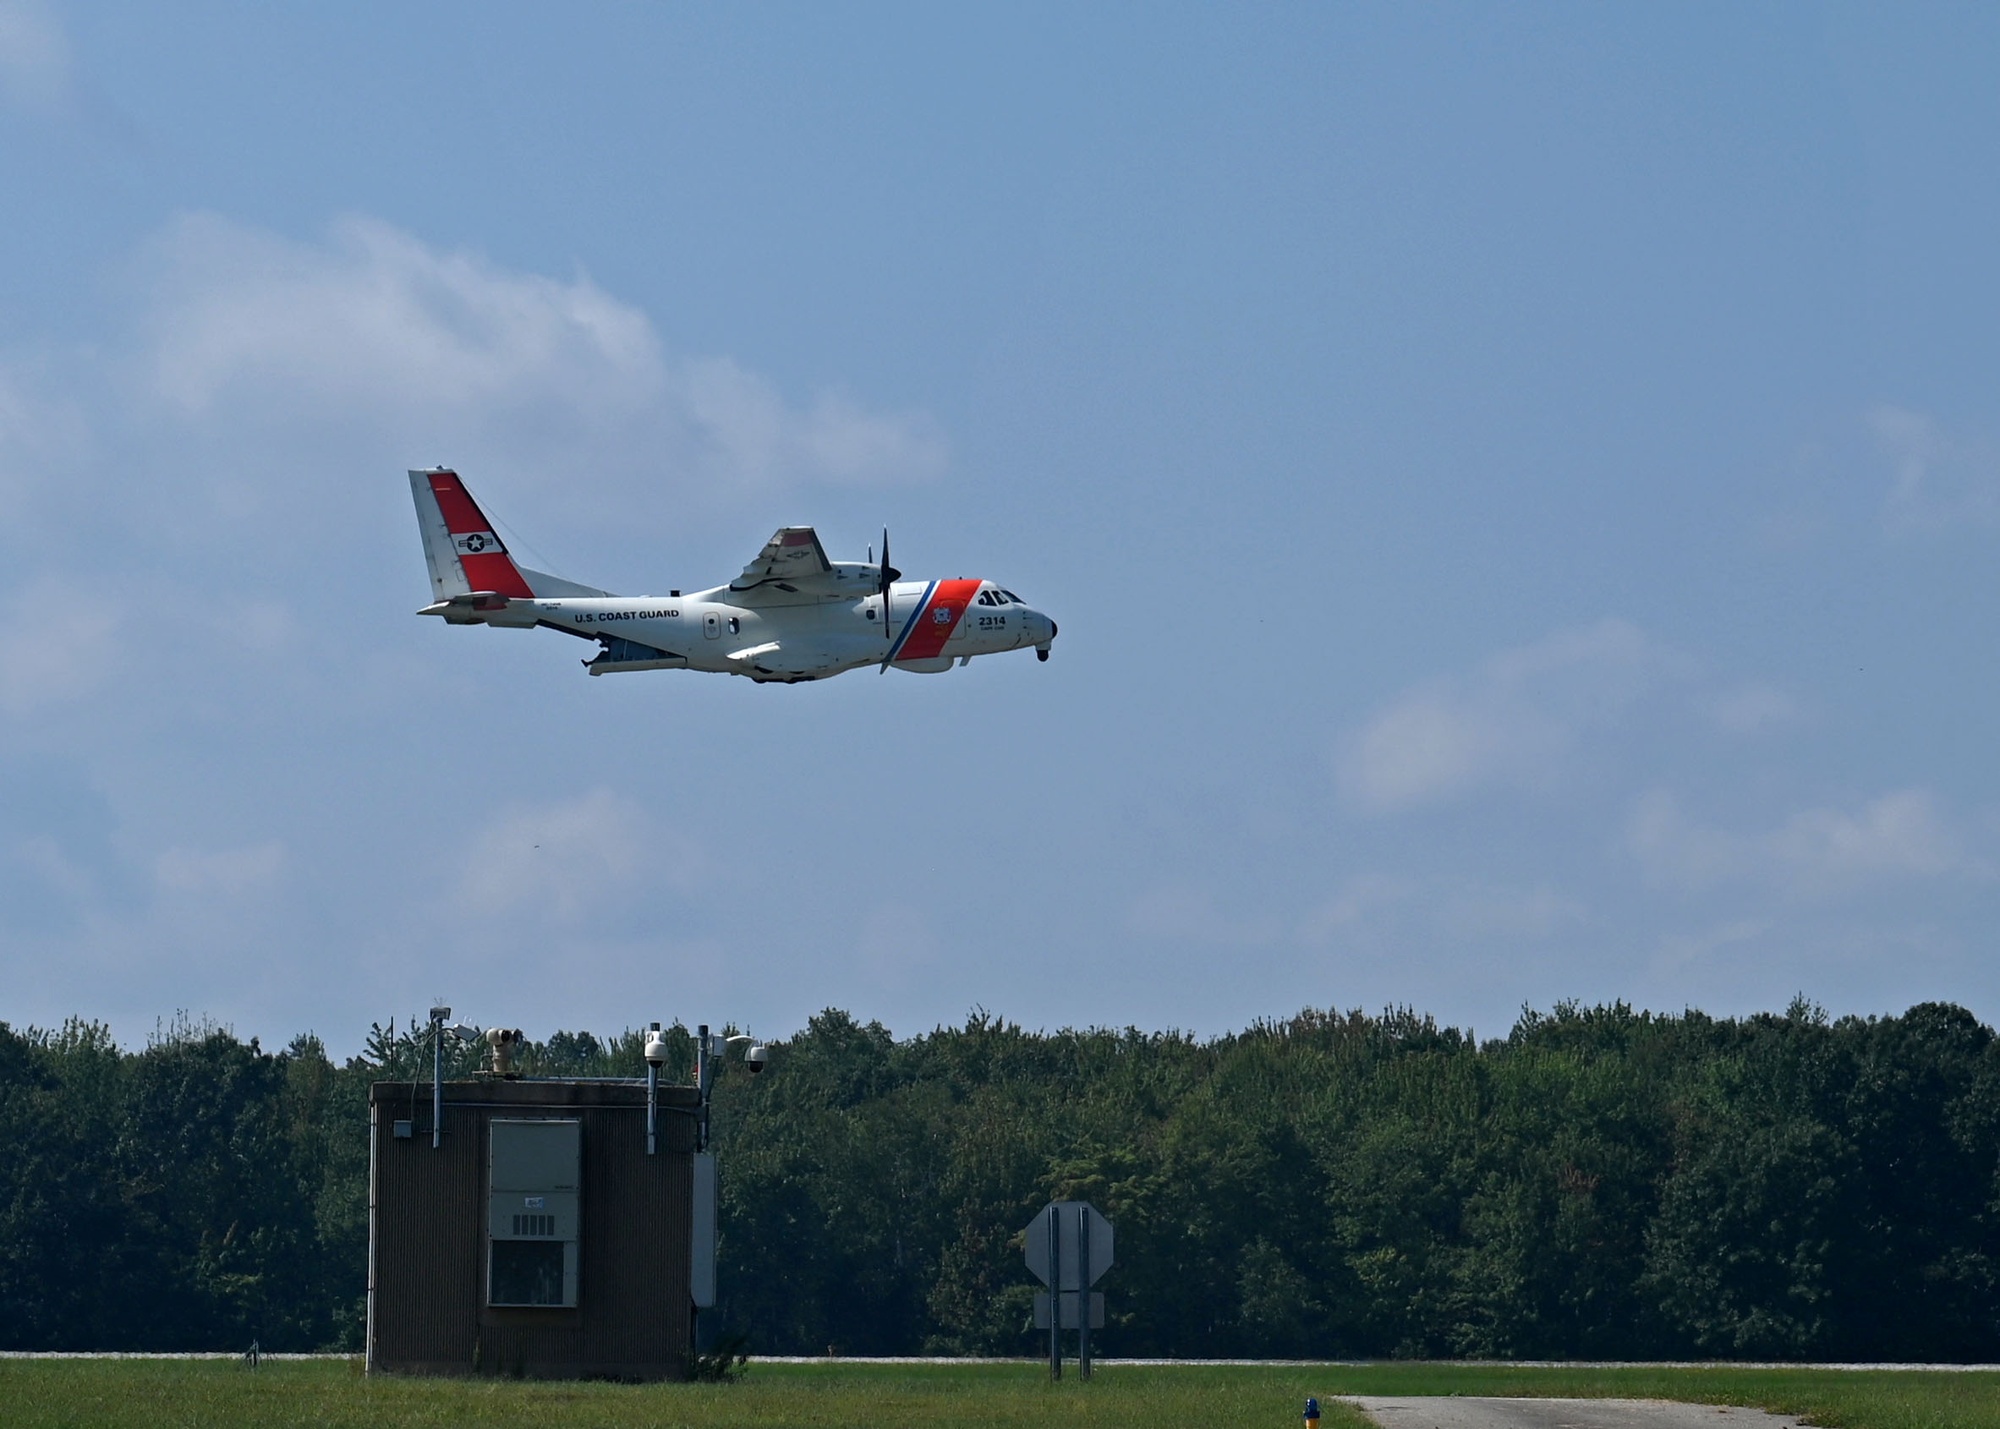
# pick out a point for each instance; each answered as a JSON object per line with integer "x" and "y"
{"x": 503, "y": 1041}
{"x": 754, "y": 1053}
{"x": 656, "y": 1046}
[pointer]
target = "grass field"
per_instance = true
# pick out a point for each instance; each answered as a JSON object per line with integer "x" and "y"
{"x": 158, "y": 1393}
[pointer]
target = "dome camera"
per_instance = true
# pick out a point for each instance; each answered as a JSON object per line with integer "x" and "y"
{"x": 756, "y": 1057}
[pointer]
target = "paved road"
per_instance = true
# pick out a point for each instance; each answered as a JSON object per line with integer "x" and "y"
{"x": 1468, "y": 1412}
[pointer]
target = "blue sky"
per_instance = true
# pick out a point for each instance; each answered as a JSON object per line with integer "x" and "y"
{"x": 1519, "y": 487}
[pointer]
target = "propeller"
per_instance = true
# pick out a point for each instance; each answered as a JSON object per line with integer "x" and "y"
{"x": 887, "y": 574}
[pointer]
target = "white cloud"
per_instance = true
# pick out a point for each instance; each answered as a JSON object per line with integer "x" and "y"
{"x": 45, "y": 858}
{"x": 56, "y": 644}
{"x": 1186, "y": 914}
{"x": 43, "y": 437}
{"x": 1814, "y": 853}
{"x": 561, "y": 860}
{"x": 1749, "y": 709}
{"x": 375, "y": 320}
{"x": 752, "y": 432}
{"x": 34, "y": 55}
{"x": 1496, "y": 911}
{"x": 448, "y": 352}
{"x": 1940, "y": 481}
{"x": 1359, "y": 900}
{"x": 1427, "y": 746}
{"x": 1679, "y": 950}
{"x": 1673, "y": 852}
{"x": 1899, "y": 834}
{"x": 1371, "y": 904}
{"x": 225, "y": 873}
{"x": 1511, "y": 722}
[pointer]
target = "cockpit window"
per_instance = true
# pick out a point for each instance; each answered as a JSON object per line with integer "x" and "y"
{"x": 986, "y": 598}
{"x": 1012, "y": 597}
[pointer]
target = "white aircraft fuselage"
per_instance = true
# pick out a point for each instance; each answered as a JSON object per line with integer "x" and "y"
{"x": 792, "y": 615}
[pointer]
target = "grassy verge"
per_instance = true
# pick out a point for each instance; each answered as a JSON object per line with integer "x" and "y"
{"x": 160, "y": 1394}
{"x": 1837, "y": 1399}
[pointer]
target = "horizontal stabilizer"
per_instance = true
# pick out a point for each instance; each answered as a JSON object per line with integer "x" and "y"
{"x": 484, "y": 607}
{"x": 475, "y": 607}
{"x": 549, "y": 587}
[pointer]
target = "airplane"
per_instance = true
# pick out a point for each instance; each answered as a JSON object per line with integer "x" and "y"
{"x": 792, "y": 615}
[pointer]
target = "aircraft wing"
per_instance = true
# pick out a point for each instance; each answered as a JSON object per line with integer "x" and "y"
{"x": 793, "y": 554}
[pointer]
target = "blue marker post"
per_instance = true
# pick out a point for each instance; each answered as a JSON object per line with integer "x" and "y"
{"x": 1312, "y": 1414}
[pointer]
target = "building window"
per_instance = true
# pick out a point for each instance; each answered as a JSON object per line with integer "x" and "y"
{"x": 528, "y": 1272}
{"x": 532, "y": 1202}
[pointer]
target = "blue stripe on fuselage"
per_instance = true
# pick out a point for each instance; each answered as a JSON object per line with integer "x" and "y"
{"x": 911, "y": 623}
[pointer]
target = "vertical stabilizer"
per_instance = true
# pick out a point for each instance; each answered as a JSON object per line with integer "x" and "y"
{"x": 447, "y": 576}
{"x": 460, "y": 546}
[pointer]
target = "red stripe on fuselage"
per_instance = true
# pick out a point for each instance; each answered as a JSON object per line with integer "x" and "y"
{"x": 927, "y": 639}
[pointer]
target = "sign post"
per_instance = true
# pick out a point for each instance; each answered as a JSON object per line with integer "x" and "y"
{"x": 1069, "y": 1248}
{"x": 1054, "y": 1281}
{"x": 1083, "y": 1295}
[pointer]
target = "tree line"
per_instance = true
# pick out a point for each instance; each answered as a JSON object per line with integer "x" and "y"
{"x": 1601, "y": 1183}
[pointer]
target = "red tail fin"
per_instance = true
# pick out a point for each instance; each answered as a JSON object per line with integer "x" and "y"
{"x": 480, "y": 552}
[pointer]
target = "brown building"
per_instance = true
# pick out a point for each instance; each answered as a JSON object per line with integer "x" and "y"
{"x": 538, "y": 1238}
